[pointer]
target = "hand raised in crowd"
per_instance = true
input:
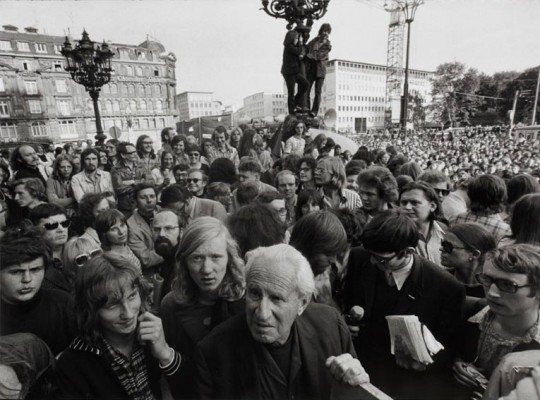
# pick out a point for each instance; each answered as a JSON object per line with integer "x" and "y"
{"x": 150, "y": 331}
{"x": 346, "y": 369}
{"x": 467, "y": 375}
{"x": 404, "y": 358}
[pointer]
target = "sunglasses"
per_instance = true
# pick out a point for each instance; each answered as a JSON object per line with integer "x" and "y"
{"x": 194, "y": 154}
{"x": 51, "y": 226}
{"x": 194, "y": 180}
{"x": 82, "y": 259}
{"x": 502, "y": 284}
{"x": 448, "y": 247}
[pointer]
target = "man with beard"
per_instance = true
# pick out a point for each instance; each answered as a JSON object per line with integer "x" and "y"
{"x": 166, "y": 233}
{"x": 91, "y": 179}
{"x": 25, "y": 162}
{"x": 140, "y": 239}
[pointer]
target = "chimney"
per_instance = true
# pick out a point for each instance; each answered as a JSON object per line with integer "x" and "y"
{"x": 30, "y": 29}
{"x": 10, "y": 28}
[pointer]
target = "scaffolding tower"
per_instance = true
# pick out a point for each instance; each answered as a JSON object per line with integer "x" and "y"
{"x": 394, "y": 67}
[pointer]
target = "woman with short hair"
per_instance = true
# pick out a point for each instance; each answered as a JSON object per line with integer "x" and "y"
{"x": 121, "y": 351}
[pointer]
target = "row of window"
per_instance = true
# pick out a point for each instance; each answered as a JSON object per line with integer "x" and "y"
{"x": 68, "y": 128}
{"x": 132, "y": 90}
{"x": 25, "y": 46}
{"x": 128, "y": 70}
{"x": 359, "y": 108}
{"x": 368, "y": 119}
{"x": 64, "y": 107}
{"x": 371, "y": 99}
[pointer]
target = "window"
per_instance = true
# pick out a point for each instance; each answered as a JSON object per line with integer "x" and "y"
{"x": 57, "y": 49}
{"x": 23, "y": 46}
{"x": 114, "y": 88}
{"x": 25, "y": 65}
{"x": 138, "y": 71}
{"x": 63, "y": 107}
{"x": 159, "y": 106}
{"x": 156, "y": 71}
{"x": 133, "y": 105}
{"x": 61, "y": 86}
{"x": 5, "y": 45}
{"x": 108, "y": 106}
{"x": 39, "y": 129}
{"x": 58, "y": 67}
{"x": 68, "y": 130}
{"x": 31, "y": 87}
{"x": 131, "y": 90}
{"x": 136, "y": 123}
{"x": 116, "y": 106}
{"x": 106, "y": 89}
{"x": 144, "y": 123}
{"x": 4, "y": 109}
{"x": 129, "y": 70}
{"x": 41, "y": 47}
{"x": 2, "y": 87}
{"x": 35, "y": 106}
{"x": 8, "y": 130}
{"x": 142, "y": 105}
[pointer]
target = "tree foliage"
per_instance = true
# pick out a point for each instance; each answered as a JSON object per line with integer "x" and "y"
{"x": 463, "y": 96}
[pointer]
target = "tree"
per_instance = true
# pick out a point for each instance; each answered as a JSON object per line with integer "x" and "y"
{"x": 453, "y": 85}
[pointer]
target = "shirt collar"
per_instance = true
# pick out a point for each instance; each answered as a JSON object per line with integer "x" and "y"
{"x": 401, "y": 275}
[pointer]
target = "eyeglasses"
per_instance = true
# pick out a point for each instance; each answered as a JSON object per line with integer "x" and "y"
{"x": 82, "y": 259}
{"x": 444, "y": 192}
{"x": 194, "y": 180}
{"x": 306, "y": 169}
{"x": 51, "y": 226}
{"x": 448, "y": 247}
{"x": 194, "y": 154}
{"x": 503, "y": 285}
{"x": 382, "y": 260}
{"x": 128, "y": 153}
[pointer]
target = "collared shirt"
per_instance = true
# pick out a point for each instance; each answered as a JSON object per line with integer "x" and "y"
{"x": 123, "y": 172}
{"x": 493, "y": 223}
{"x": 230, "y": 153}
{"x": 401, "y": 275}
{"x": 295, "y": 145}
{"x": 347, "y": 199}
{"x": 83, "y": 184}
{"x": 431, "y": 248}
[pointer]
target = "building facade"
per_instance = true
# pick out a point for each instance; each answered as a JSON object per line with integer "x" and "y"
{"x": 38, "y": 98}
{"x": 357, "y": 92}
{"x": 262, "y": 104}
{"x": 197, "y": 104}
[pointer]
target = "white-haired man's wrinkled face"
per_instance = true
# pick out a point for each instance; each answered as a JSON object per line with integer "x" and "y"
{"x": 272, "y": 301}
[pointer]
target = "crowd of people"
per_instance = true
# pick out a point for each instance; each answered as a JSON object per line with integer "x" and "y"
{"x": 258, "y": 265}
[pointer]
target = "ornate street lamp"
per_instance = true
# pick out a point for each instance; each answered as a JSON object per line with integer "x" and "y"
{"x": 296, "y": 11}
{"x": 408, "y": 7}
{"x": 90, "y": 66}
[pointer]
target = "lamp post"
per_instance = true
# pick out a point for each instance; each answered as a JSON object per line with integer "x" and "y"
{"x": 90, "y": 66}
{"x": 296, "y": 11}
{"x": 408, "y": 7}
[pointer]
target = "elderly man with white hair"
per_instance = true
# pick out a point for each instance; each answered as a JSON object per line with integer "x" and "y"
{"x": 283, "y": 346}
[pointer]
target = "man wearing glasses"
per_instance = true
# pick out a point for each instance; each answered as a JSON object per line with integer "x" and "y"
{"x": 125, "y": 175}
{"x": 53, "y": 221}
{"x": 387, "y": 277}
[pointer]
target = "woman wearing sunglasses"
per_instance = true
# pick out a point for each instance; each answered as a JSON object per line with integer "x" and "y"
{"x": 194, "y": 154}
{"x": 462, "y": 254}
{"x": 511, "y": 280}
{"x": 78, "y": 251}
{"x": 112, "y": 231}
{"x": 121, "y": 352}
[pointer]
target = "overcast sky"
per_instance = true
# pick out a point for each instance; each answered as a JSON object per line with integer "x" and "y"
{"x": 233, "y": 48}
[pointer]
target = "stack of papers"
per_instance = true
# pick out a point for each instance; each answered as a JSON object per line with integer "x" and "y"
{"x": 417, "y": 338}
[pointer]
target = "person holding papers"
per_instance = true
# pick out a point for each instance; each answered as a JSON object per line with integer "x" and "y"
{"x": 386, "y": 277}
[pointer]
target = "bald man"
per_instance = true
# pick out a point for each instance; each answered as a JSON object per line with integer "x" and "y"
{"x": 283, "y": 346}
